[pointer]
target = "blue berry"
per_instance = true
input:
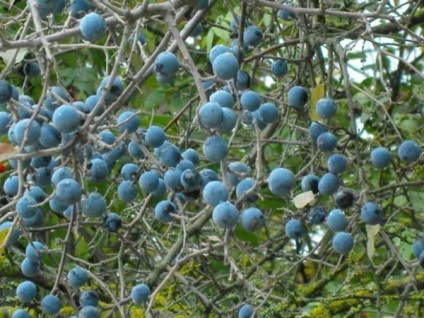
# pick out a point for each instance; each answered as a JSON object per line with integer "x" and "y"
{"x": 112, "y": 222}
{"x": 235, "y": 25}
{"x": 32, "y": 129}
{"x": 409, "y": 151}
{"x": 210, "y": 115}
{"x": 169, "y": 154}
{"x": 217, "y": 50}
{"x": 244, "y": 186}
{"x": 237, "y": 171}
{"x": 57, "y": 206}
{"x": 372, "y": 213}
{"x": 77, "y": 277}
{"x": 32, "y": 251}
{"x": 25, "y": 207}
{"x": 380, "y": 157}
{"x": 225, "y": 66}
{"x": 184, "y": 165}
{"x": 11, "y": 186}
{"x": 50, "y": 305}
{"x": 192, "y": 155}
{"x": 279, "y": 68}
{"x": 214, "y": 193}
{"x": 154, "y": 137}
{"x": 6, "y": 91}
{"x": 328, "y": 184}
{"x": 252, "y": 35}
{"x": 325, "y": 108}
{"x": 245, "y": 311}
{"x": 160, "y": 189}
{"x": 30, "y": 268}
{"x": 66, "y": 119}
{"x": 166, "y": 64}
{"x": 223, "y": 98}
{"x": 89, "y": 312}
{"x": 190, "y": 180}
{"x": 92, "y": 26}
{"x": 128, "y": 121}
{"x": 242, "y": 80}
{"x": 140, "y": 293}
{"x": 336, "y": 220}
{"x": 134, "y": 150}
{"x": 26, "y": 291}
{"x": 60, "y": 174}
{"x": 98, "y": 170}
{"x": 268, "y": 113}
{"x": 418, "y": 247}
{"x": 310, "y": 183}
{"x": 129, "y": 171}
{"x": 294, "y": 229}
{"x": 92, "y": 101}
{"x": 54, "y": 96}
{"x": 206, "y": 176}
{"x": 343, "y": 242}
{"x": 115, "y": 90}
{"x": 316, "y": 215}
{"x": 344, "y": 198}
{"x": 250, "y": 100}
{"x": 68, "y": 191}
{"x": 225, "y": 215}
{"x": 31, "y": 69}
{"x": 107, "y": 137}
{"x": 89, "y": 298}
{"x": 36, "y": 220}
{"x": 336, "y": 163}
{"x": 127, "y": 191}
{"x": 148, "y": 181}
{"x": 252, "y": 219}
{"x": 286, "y": 15}
{"x": 215, "y": 149}
{"x": 163, "y": 211}
{"x": 297, "y": 97}
{"x": 42, "y": 177}
{"x": 5, "y": 122}
{"x": 20, "y": 313}
{"x": 50, "y": 137}
{"x": 229, "y": 120}
{"x": 280, "y": 181}
{"x": 326, "y": 142}
{"x": 78, "y": 8}
{"x": 172, "y": 178}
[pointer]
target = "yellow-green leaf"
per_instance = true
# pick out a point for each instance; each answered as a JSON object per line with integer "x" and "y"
{"x": 316, "y": 94}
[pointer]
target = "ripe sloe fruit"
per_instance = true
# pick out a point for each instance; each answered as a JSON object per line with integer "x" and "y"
{"x": 92, "y": 26}
{"x": 336, "y": 220}
{"x": 214, "y": 193}
{"x": 343, "y": 242}
{"x": 140, "y": 293}
{"x": 297, "y": 97}
{"x": 380, "y": 157}
{"x": 409, "y": 151}
{"x": 372, "y": 213}
{"x": 215, "y": 149}
{"x": 280, "y": 181}
{"x": 328, "y": 184}
{"x": 252, "y": 219}
{"x": 294, "y": 229}
{"x": 225, "y": 66}
{"x": 325, "y": 108}
{"x": 225, "y": 215}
